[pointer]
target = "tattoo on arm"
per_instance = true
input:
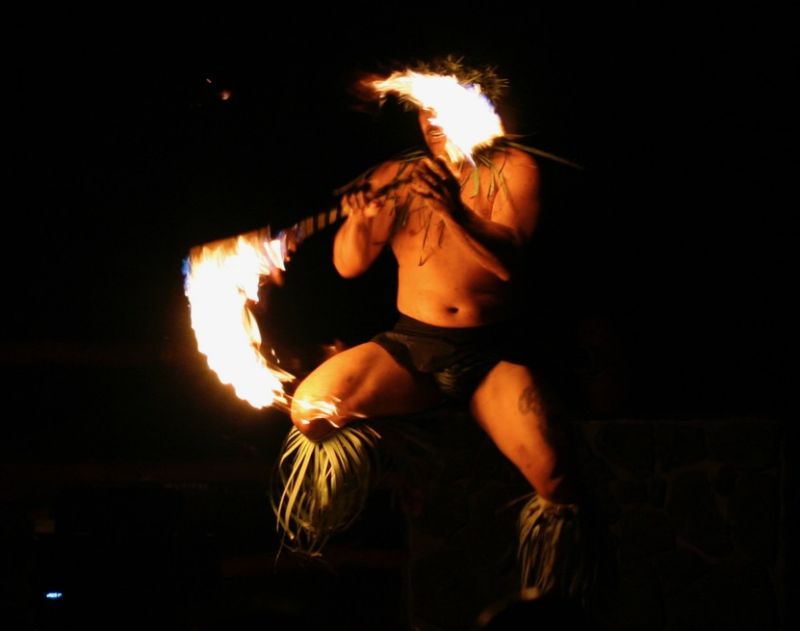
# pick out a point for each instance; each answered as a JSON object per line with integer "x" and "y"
{"x": 529, "y": 402}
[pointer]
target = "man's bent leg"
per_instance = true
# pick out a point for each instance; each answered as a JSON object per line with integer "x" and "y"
{"x": 363, "y": 381}
{"x": 557, "y": 552}
{"x": 509, "y": 407}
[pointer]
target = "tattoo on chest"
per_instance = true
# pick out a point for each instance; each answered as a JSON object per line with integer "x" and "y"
{"x": 428, "y": 248}
{"x": 415, "y": 217}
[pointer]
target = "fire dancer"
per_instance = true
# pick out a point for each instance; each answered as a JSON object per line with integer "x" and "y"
{"x": 458, "y": 219}
{"x": 458, "y": 229}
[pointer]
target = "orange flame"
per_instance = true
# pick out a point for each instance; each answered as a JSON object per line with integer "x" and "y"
{"x": 465, "y": 115}
{"x": 222, "y": 279}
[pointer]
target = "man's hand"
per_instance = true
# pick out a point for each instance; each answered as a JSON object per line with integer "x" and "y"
{"x": 361, "y": 203}
{"x": 434, "y": 181}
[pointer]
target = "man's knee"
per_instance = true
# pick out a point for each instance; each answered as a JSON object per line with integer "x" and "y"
{"x": 545, "y": 470}
{"x": 314, "y": 416}
{"x": 314, "y": 428}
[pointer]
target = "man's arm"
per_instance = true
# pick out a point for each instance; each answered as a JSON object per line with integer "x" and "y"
{"x": 495, "y": 243}
{"x": 367, "y": 228}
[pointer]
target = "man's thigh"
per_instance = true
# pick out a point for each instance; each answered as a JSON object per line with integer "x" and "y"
{"x": 363, "y": 381}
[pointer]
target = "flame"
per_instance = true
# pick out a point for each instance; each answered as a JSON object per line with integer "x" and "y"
{"x": 465, "y": 115}
{"x": 318, "y": 408}
{"x": 222, "y": 278}
{"x": 309, "y": 410}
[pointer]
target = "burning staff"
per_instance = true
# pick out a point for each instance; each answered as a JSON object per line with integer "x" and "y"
{"x": 221, "y": 281}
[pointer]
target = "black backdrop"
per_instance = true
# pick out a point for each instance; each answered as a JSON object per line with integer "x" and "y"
{"x": 664, "y": 262}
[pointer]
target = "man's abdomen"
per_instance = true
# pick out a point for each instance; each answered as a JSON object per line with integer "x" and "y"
{"x": 452, "y": 299}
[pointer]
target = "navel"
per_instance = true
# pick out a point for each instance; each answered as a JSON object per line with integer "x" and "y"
{"x": 452, "y": 309}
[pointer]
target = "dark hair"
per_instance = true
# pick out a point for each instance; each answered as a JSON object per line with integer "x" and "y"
{"x": 492, "y": 85}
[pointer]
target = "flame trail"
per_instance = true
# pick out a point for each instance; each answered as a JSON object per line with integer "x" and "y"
{"x": 222, "y": 278}
{"x": 221, "y": 282}
{"x": 465, "y": 115}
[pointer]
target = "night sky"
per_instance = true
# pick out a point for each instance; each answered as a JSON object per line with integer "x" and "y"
{"x": 666, "y": 248}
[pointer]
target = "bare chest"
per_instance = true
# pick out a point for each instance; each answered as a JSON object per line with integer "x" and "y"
{"x": 420, "y": 234}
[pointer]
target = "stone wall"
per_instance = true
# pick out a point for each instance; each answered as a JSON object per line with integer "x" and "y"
{"x": 696, "y": 509}
{"x": 693, "y": 507}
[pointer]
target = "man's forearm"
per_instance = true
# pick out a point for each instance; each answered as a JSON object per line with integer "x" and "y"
{"x": 354, "y": 247}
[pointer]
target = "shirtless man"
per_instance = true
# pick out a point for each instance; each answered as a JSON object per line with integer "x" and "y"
{"x": 458, "y": 248}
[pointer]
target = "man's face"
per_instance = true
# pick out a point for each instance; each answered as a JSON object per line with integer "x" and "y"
{"x": 434, "y": 136}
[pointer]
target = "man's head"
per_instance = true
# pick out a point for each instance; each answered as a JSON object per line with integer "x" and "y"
{"x": 448, "y": 96}
{"x": 433, "y": 135}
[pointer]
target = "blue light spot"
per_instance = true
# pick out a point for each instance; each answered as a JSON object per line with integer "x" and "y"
{"x": 53, "y": 595}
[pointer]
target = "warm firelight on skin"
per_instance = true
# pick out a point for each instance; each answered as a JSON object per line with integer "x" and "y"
{"x": 221, "y": 280}
{"x": 465, "y": 115}
{"x": 317, "y": 409}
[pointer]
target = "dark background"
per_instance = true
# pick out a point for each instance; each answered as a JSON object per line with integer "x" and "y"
{"x": 661, "y": 268}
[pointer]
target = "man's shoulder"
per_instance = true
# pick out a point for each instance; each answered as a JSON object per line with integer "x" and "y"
{"x": 388, "y": 171}
{"x": 511, "y": 166}
{"x": 506, "y": 156}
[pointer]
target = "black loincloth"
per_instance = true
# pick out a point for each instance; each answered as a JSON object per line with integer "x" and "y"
{"x": 458, "y": 359}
